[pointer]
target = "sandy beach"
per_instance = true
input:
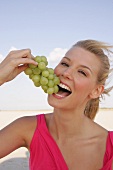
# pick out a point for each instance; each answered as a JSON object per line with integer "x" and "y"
{"x": 19, "y": 159}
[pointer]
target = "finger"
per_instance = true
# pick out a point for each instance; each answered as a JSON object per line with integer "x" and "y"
{"x": 24, "y": 53}
{"x": 18, "y": 51}
{"x": 29, "y": 56}
{"x": 24, "y": 61}
{"x": 32, "y": 57}
{"x": 22, "y": 68}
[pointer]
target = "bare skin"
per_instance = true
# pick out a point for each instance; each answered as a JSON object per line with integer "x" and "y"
{"x": 88, "y": 147}
{"x": 83, "y": 150}
{"x": 14, "y": 64}
{"x": 81, "y": 141}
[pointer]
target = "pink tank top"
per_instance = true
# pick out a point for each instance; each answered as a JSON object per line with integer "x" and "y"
{"x": 45, "y": 154}
{"x": 108, "y": 157}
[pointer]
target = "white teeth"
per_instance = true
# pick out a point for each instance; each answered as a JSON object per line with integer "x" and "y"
{"x": 64, "y": 87}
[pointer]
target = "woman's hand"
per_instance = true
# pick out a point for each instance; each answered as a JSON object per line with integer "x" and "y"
{"x": 15, "y": 62}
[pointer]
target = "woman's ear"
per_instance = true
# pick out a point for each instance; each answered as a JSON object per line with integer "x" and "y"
{"x": 96, "y": 92}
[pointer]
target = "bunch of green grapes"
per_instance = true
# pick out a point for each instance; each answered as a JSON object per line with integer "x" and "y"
{"x": 43, "y": 76}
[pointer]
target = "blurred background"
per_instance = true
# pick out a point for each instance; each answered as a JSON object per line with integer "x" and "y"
{"x": 48, "y": 28}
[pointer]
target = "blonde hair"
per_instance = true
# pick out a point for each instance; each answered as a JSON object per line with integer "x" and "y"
{"x": 102, "y": 51}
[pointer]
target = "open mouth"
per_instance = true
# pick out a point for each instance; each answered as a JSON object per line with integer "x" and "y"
{"x": 64, "y": 90}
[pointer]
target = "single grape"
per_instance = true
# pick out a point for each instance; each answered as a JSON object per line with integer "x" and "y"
{"x": 44, "y": 87}
{"x": 56, "y": 80}
{"x": 32, "y": 66}
{"x": 51, "y": 76}
{"x": 50, "y": 90}
{"x": 46, "y": 63}
{"x": 45, "y": 73}
{"x": 31, "y": 75}
{"x": 43, "y": 80}
{"x": 56, "y": 89}
{"x": 38, "y": 59}
{"x": 51, "y": 71}
{"x": 36, "y": 78}
{"x": 54, "y": 75}
{"x": 28, "y": 71}
{"x": 50, "y": 83}
{"x": 37, "y": 84}
{"x": 43, "y": 59}
{"x": 36, "y": 70}
{"x": 42, "y": 66}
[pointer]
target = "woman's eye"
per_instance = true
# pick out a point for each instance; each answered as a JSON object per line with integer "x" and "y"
{"x": 82, "y": 72}
{"x": 64, "y": 64}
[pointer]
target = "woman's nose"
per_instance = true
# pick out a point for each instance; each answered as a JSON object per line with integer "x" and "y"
{"x": 67, "y": 73}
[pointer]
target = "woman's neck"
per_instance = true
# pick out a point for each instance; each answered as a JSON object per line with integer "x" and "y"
{"x": 67, "y": 124}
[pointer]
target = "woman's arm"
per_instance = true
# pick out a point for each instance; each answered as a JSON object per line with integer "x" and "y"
{"x": 10, "y": 138}
{"x": 17, "y": 134}
{"x": 14, "y": 64}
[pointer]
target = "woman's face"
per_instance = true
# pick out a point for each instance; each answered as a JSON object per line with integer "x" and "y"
{"x": 78, "y": 72}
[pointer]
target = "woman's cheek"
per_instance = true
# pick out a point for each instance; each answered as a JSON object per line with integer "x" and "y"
{"x": 56, "y": 71}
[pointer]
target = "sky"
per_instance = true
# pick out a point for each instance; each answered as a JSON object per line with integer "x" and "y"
{"x": 48, "y": 28}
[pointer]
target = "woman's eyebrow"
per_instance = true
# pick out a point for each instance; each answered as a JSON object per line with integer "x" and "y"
{"x": 67, "y": 58}
{"x": 86, "y": 67}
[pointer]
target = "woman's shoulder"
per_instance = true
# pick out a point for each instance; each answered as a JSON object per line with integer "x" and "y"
{"x": 23, "y": 123}
{"x": 30, "y": 123}
{"x": 26, "y": 121}
{"x": 100, "y": 129}
{"x": 27, "y": 126}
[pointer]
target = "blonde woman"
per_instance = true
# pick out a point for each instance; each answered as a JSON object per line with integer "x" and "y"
{"x": 68, "y": 138}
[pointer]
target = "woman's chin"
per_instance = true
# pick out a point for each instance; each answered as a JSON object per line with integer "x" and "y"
{"x": 52, "y": 102}
{"x": 55, "y": 103}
